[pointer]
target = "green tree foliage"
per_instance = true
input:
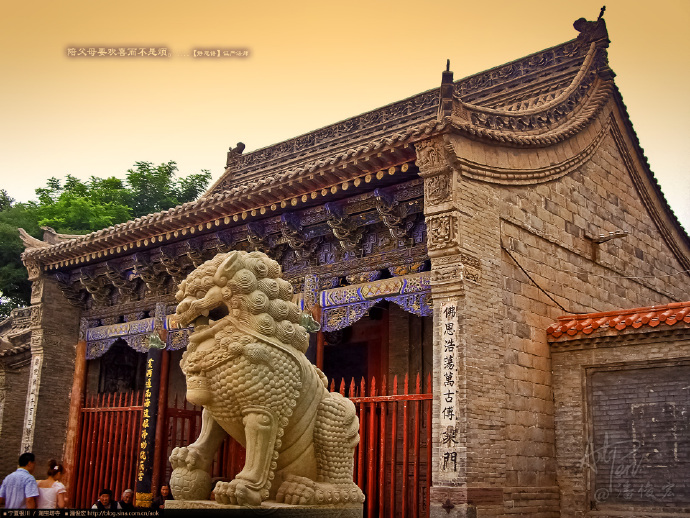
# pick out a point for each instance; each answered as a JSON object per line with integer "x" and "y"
{"x": 80, "y": 207}
{"x": 76, "y": 207}
{"x": 14, "y": 285}
{"x": 154, "y": 188}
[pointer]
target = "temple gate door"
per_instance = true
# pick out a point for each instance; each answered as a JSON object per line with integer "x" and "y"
{"x": 110, "y": 428}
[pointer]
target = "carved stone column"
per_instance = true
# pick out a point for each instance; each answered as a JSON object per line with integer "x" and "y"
{"x": 54, "y": 333}
{"x": 451, "y": 267}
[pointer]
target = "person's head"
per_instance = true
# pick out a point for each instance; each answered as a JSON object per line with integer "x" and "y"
{"x": 105, "y": 496}
{"x": 55, "y": 469}
{"x": 27, "y": 461}
{"x": 127, "y": 496}
{"x": 165, "y": 491}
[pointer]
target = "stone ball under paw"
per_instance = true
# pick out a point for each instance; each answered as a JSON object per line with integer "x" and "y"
{"x": 188, "y": 484}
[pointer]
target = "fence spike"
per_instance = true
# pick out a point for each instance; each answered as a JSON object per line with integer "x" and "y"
{"x": 418, "y": 386}
{"x": 352, "y": 388}
{"x": 372, "y": 386}
{"x": 342, "y": 386}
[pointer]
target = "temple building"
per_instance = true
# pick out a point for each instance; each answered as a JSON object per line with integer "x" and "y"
{"x": 501, "y": 236}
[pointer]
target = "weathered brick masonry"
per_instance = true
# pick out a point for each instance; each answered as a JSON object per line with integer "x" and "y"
{"x": 623, "y": 412}
{"x": 522, "y": 189}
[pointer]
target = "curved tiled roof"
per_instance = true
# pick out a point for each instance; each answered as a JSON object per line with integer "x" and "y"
{"x": 653, "y": 316}
{"x": 536, "y": 101}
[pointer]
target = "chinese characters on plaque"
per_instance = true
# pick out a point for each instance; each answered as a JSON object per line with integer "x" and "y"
{"x": 448, "y": 386}
{"x": 146, "y": 423}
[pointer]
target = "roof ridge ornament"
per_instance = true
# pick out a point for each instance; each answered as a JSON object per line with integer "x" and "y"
{"x": 592, "y": 31}
{"x": 234, "y": 154}
{"x": 445, "y": 104}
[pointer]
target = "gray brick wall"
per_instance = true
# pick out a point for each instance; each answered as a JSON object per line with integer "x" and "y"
{"x": 16, "y": 385}
{"x": 640, "y": 447}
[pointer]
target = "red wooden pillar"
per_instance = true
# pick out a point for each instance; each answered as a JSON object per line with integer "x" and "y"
{"x": 159, "y": 452}
{"x": 77, "y": 400}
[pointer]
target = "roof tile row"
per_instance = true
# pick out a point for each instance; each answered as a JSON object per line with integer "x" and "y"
{"x": 652, "y": 316}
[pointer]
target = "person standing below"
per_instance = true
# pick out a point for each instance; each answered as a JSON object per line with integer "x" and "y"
{"x": 52, "y": 492}
{"x": 19, "y": 489}
{"x": 159, "y": 501}
{"x": 106, "y": 502}
{"x": 126, "y": 502}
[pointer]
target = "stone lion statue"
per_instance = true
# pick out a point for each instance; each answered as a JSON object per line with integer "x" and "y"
{"x": 245, "y": 365}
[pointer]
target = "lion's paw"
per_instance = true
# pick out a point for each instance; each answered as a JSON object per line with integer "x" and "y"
{"x": 296, "y": 490}
{"x": 186, "y": 481}
{"x": 302, "y": 491}
{"x": 184, "y": 457}
{"x": 236, "y": 492}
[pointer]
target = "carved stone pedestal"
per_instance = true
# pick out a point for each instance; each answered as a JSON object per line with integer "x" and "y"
{"x": 274, "y": 509}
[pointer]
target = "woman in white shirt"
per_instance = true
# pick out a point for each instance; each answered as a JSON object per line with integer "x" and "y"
{"x": 52, "y": 493}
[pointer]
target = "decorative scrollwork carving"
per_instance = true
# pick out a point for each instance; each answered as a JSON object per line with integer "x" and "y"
{"x": 360, "y": 278}
{"x": 37, "y": 290}
{"x": 437, "y": 188}
{"x": 36, "y": 315}
{"x": 33, "y": 268}
{"x": 118, "y": 279}
{"x": 393, "y": 215}
{"x": 194, "y": 252}
{"x": 148, "y": 273}
{"x": 429, "y": 154}
{"x": 75, "y": 296}
{"x": 256, "y": 235}
{"x": 293, "y": 232}
{"x": 441, "y": 231}
{"x": 97, "y": 285}
{"x": 223, "y": 242}
{"x": 172, "y": 266}
{"x": 347, "y": 234}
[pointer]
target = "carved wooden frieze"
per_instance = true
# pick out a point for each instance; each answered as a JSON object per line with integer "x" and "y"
{"x": 256, "y": 235}
{"x": 343, "y": 229}
{"x": 393, "y": 214}
{"x": 98, "y": 286}
{"x": 172, "y": 264}
{"x": 70, "y": 290}
{"x": 118, "y": 279}
{"x": 148, "y": 273}
{"x": 223, "y": 242}
{"x": 295, "y": 236}
{"x": 194, "y": 252}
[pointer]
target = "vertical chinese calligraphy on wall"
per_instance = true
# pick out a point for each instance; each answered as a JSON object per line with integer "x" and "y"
{"x": 31, "y": 402}
{"x": 448, "y": 387}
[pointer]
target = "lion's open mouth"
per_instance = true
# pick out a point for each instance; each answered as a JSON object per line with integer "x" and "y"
{"x": 209, "y": 318}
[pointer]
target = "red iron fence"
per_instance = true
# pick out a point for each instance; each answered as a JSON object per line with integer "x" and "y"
{"x": 392, "y": 461}
{"x": 183, "y": 427}
{"x": 108, "y": 447}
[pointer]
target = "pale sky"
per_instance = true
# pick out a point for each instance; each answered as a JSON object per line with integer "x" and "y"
{"x": 310, "y": 64}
